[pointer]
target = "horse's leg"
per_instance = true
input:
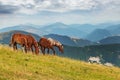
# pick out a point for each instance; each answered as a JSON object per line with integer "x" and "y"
{"x": 36, "y": 51}
{"x": 14, "y": 46}
{"x": 53, "y": 50}
{"x": 25, "y": 49}
{"x": 32, "y": 48}
{"x": 43, "y": 50}
{"x": 48, "y": 50}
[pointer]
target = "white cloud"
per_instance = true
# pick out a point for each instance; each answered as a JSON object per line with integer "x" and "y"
{"x": 34, "y": 6}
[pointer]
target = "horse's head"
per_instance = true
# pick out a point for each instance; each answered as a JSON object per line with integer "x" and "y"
{"x": 37, "y": 50}
{"x": 61, "y": 48}
{"x": 27, "y": 47}
{"x": 36, "y": 45}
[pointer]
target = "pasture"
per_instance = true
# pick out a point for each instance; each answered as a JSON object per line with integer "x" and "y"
{"x": 16, "y": 65}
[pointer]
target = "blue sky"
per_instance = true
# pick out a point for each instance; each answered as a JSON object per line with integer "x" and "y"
{"x": 14, "y": 12}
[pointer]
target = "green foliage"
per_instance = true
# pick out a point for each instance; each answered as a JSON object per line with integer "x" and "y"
{"x": 108, "y": 53}
{"x": 16, "y": 65}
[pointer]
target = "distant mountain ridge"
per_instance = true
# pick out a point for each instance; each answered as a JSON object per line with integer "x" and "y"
{"x": 83, "y": 31}
{"x": 98, "y": 34}
{"x": 111, "y": 40}
{"x": 114, "y": 29}
{"x": 70, "y": 41}
{"x": 23, "y": 27}
{"x": 6, "y": 36}
{"x": 74, "y": 30}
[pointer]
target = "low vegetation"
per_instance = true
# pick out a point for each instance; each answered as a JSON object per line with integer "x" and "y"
{"x": 16, "y": 65}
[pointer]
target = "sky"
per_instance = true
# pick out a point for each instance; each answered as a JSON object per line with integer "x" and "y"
{"x": 40, "y": 12}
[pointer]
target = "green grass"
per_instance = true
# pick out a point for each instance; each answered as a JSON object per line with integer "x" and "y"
{"x": 16, "y": 65}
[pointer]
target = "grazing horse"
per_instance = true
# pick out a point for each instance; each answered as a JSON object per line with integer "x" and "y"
{"x": 32, "y": 43}
{"x": 49, "y": 44}
{"x": 18, "y": 38}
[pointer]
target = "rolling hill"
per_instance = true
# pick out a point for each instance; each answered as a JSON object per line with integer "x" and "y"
{"x": 6, "y": 36}
{"x": 31, "y": 28}
{"x": 63, "y": 29}
{"x": 110, "y": 40}
{"x": 70, "y": 41}
{"x": 98, "y": 34}
{"x": 108, "y": 53}
{"x": 16, "y": 65}
{"x": 114, "y": 29}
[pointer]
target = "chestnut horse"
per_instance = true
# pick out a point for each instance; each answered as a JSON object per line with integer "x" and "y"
{"x": 19, "y": 38}
{"x": 26, "y": 41}
{"x": 32, "y": 43}
{"x": 49, "y": 44}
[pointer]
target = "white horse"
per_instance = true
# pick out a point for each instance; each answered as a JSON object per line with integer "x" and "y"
{"x": 94, "y": 59}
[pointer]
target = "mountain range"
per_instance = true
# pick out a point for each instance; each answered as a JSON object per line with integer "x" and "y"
{"x": 89, "y": 32}
{"x": 6, "y": 36}
{"x": 76, "y": 30}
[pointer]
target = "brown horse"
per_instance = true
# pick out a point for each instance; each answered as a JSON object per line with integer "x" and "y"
{"x": 26, "y": 41}
{"x": 19, "y": 38}
{"x": 49, "y": 44}
{"x": 32, "y": 43}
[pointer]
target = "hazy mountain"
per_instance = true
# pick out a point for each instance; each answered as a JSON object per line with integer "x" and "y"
{"x": 73, "y": 30}
{"x": 98, "y": 34}
{"x": 70, "y": 41}
{"x": 110, "y": 40}
{"x": 63, "y": 29}
{"x": 87, "y": 28}
{"x": 114, "y": 29}
{"x": 24, "y": 27}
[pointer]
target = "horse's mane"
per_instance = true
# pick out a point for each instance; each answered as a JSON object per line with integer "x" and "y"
{"x": 54, "y": 42}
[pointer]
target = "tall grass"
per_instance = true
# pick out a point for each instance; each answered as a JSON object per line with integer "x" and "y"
{"x": 16, "y": 65}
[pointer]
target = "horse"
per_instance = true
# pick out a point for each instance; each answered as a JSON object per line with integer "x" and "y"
{"x": 18, "y": 38}
{"x": 49, "y": 44}
{"x": 31, "y": 42}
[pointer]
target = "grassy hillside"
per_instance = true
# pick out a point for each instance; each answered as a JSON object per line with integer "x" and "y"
{"x": 15, "y": 65}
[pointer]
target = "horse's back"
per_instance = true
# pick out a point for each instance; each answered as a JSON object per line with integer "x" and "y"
{"x": 19, "y": 38}
{"x": 44, "y": 42}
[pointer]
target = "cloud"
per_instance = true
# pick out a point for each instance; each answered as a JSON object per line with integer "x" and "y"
{"x": 59, "y": 6}
{"x": 7, "y": 9}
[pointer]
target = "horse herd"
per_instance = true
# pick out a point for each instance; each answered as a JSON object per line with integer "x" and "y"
{"x": 30, "y": 43}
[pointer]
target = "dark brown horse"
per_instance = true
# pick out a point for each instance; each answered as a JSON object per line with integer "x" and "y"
{"x": 32, "y": 43}
{"x": 49, "y": 44}
{"x": 19, "y": 38}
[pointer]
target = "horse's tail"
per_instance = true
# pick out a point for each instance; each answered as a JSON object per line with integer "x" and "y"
{"x": 11, "y": 41}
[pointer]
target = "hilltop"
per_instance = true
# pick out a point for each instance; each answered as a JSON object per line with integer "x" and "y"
{"x": 16, "y": 65}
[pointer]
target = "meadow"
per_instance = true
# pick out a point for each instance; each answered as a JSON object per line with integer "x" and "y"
{"x": 17, "y": 65}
